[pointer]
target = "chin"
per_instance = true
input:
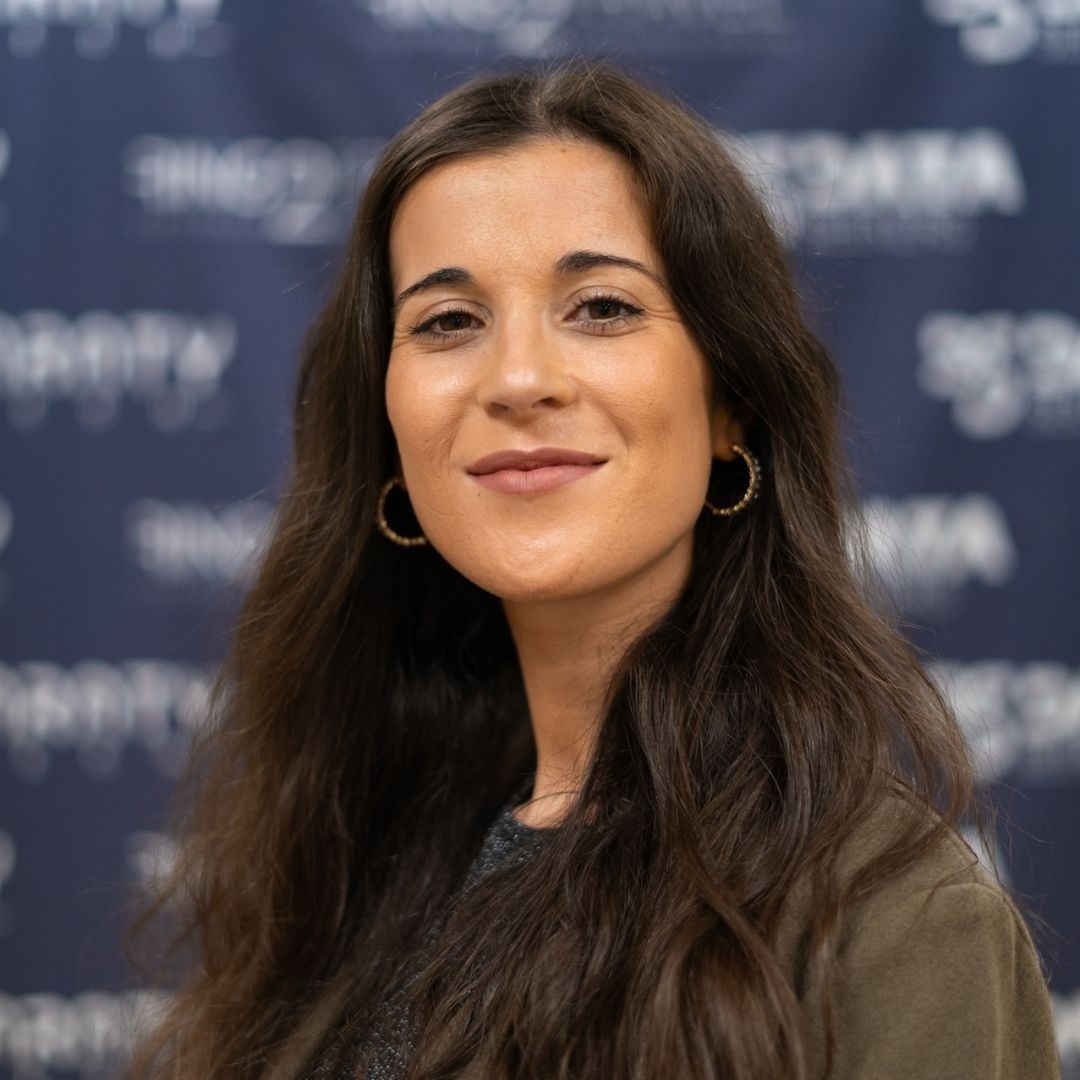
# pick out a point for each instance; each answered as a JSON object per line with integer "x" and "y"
{"x": 555, "y": 590}
{"x": 513, "y": 585}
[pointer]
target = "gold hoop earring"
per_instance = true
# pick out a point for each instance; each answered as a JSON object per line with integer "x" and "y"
{"x": 380, "y": 517}
{"x": 753, "y": 466}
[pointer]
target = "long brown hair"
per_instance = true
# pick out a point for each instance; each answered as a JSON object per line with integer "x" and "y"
{"x": 371, "y": 717}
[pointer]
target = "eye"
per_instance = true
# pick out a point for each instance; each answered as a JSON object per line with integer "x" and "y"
{"x": 444, "y": 324}
{"x": 605, "y": 312}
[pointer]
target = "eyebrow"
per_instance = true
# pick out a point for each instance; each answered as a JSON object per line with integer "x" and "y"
{"x": 577, "y": 262}
{"x": 573, "y": 262}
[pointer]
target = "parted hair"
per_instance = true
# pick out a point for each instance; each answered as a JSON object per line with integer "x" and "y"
{"x": 370, "y": 718}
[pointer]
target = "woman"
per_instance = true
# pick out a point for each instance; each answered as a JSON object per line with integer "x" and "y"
{"x": 558, "y": 738}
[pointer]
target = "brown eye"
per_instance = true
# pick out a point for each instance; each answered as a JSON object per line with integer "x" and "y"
{"x": 606, "y": 314}
{"x": 452, "y": 321}
{"x": 445, "y": 325}
{"x": 603, "y": 309}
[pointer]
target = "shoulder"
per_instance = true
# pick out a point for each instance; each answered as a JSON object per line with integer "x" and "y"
{"x": 945, "y": 861}
{"x": 935, "y": 973}
{"x": 943, "y": 904}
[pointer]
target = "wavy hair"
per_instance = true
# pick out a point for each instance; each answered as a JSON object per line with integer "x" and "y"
{"x": 371, "y": 718}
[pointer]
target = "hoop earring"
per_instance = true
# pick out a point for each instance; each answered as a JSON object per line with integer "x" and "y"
{"x": 380, "y": 517}
{"x": 753, "y": 466}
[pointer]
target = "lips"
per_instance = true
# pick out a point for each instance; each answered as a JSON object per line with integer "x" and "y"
{"x": 530, "y": 472}
{"x": 527, "y": 460}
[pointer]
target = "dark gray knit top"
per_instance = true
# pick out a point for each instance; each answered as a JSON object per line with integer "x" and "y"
{"x": 389, "y": 1047}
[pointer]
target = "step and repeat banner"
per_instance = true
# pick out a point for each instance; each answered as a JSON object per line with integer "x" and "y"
{"x": 175, "y": 180}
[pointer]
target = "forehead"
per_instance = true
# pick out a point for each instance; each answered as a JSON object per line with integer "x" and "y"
{"x": 530, "y": 202}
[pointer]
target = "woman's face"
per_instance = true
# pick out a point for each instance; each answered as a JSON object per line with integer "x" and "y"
{"x": 532, "y": 313}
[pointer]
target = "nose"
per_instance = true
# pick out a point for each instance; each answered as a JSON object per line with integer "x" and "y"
{"x": 525, "y": 370}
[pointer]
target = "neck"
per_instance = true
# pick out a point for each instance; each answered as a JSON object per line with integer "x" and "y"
{"x": 568, "y": 649}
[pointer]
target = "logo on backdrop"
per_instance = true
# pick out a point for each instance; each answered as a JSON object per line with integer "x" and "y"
{"x": 5, "y": 161}
{"x": 1067, "y": 1026}
{"x": 7, "y": 525}
{"x": 898, "y": 192}
{"x": 535, "y": 27}
{"x": 98, "y": 709}
{"x": 930, "y": 550}
{"x": 1005, "y": 31}
{"x": 1002, "y": 372}
{"x": 7, "y": 521}
{"x": 150, "y": 858}
{"x": 7, "y": 867}
{"x": 1022, "y": 720}
{"x": 181, "y": 543}
{"x": 297, "y": 191}
{"x": 87, "y": 1035}
{"x": 170, "y": 28}
{"x": 169, "y": 362}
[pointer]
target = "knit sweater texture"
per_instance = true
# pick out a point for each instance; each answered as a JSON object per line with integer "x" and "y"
{"x": 389, "y": 1045}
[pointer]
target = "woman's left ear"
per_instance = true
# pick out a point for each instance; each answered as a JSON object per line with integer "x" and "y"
{"x": 728, "y": 428}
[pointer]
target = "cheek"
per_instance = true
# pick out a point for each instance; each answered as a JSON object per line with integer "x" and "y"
{"x": 670, "y": 422}
{"x": 426, "y": 419}
{"x": 678, "y": 468}
{"x": 418, "y": 417}
{"x": 396, "y": 399}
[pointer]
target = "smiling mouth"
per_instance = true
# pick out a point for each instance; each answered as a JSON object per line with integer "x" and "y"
{"x": 520, "y": 471}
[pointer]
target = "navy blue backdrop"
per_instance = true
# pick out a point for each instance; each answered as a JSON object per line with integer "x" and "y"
{"x": 175, "y": 179}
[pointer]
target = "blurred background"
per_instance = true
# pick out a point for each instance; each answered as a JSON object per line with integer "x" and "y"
{"x": 176, "y": 177}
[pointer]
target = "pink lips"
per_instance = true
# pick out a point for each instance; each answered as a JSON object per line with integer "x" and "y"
{"x": 521, "y": 472}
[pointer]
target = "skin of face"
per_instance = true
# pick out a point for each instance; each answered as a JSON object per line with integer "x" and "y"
{"x": 519, "y": 353}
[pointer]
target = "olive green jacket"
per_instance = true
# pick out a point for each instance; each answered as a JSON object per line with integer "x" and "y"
{"x": 937, "y": 976}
